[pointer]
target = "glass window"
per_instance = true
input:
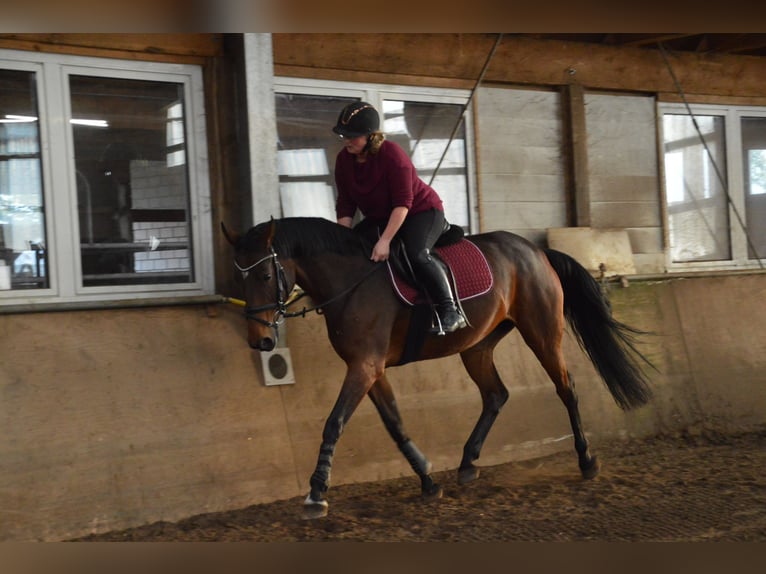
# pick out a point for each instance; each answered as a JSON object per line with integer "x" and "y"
{"x": 420, "y": 121}
{"x": 306, "y": 151}
{"x": 423, "y": 129}
{"x": 754, "y": 168}
{"x": 104, "y": 190}
{"x": 132, "y": 185}
{"x": 716, "y": 191}
{"x": 698, "y": 216}
{"x": 22, "y": 213}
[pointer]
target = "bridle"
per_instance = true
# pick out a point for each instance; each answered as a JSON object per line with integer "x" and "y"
{"x": 282, "y": 299}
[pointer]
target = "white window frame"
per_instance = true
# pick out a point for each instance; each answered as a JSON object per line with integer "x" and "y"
{"x": 60, "y": 186}
{"x": 735, "y": 184}
{"x": 376, "y": 93}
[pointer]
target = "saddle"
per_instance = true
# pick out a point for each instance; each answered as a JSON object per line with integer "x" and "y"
{"x": 469, "y": 272}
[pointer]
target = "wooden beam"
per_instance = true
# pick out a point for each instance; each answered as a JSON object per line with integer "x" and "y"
{"x": 520, "y": 59}
{"x": 181, "y": 48}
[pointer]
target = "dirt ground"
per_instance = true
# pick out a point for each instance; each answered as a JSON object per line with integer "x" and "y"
{"x": 701, "y": 487}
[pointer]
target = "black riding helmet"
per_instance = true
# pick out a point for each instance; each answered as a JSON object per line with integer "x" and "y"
{"x": 357, "y": 119}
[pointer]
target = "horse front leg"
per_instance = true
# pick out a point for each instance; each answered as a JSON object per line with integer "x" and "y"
{"x": 382, "y": 396}
{"x": 356, "y": 384}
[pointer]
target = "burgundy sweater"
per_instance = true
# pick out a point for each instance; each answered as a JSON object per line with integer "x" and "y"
{"x": 386, "y": 180}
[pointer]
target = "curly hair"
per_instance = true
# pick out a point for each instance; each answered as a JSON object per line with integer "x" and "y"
{"x": 375, "y": 141}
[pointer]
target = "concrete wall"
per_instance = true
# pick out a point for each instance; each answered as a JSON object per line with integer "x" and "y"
{"x": 114, "y": 418}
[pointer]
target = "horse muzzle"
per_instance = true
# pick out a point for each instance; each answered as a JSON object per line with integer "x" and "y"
{"x": 263, "y": 344}
{"x": 261, "y": 338}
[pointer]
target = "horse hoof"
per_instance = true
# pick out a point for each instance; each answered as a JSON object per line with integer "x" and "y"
{"x": 591, "y": 468}
{"x": 466, "y": 475}
{"x": 314, "y": 509}
{"x": 434, "y": 494}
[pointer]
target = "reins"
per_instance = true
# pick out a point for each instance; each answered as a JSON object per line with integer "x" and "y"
{"x": 281, "y": 305}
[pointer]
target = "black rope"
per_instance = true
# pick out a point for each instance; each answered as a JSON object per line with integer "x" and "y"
{"x": 710, "y": 155}
{"x": 465, "y": 106}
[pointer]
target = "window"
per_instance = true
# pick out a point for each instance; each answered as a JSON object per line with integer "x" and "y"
{"x": 421, "y": 121}
{"x": 103, "y": 180}
{"x": 754, "y": 175}
{"x": 715, "y": 171}
{"x": 22, "y": 213}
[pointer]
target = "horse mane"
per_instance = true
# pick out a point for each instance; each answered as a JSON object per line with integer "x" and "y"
{"x": 307, "y": 237}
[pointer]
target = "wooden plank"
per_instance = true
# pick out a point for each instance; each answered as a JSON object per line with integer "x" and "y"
{"x": 454, "y": 56}
{"x": 733, "y": 100}
{"x": 340, "y": 75}
{"x": 523, "y": 187}
{"x": 528, "y": 215}
{"x": 624, "y": 188}
{"x": 624, "y": 214}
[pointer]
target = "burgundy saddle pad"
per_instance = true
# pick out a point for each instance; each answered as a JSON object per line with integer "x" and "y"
{"x": 473, "y": 276}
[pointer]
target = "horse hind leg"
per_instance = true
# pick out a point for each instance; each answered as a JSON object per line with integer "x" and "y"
{"x": 589, "y": 464}
{"x": 552, "y": 360}
{"x": 382, "y": 396}
{"x": 480, "y": 365}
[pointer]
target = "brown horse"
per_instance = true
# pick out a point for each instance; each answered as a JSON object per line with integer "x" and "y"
{"x": 535, "y": 290}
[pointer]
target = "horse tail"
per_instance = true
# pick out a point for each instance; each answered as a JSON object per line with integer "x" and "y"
{"x": 610, "y": 344}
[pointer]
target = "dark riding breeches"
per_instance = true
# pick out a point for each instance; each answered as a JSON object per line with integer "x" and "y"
{"x": 419, "y": 233}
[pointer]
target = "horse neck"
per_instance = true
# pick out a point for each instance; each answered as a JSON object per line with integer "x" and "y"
{"x": 324, "y": 276}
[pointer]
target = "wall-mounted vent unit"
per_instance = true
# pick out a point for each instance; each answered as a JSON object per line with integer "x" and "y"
{"x": 277, "y": 367}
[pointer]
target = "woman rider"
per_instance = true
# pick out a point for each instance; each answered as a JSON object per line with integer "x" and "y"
{"x": 377, "y": 177}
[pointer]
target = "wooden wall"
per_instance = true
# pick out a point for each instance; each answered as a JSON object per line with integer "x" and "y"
{"x": 456, "y": 60}
{"x": 522, "y": 173}
{"x": 117, "y": 418}
{"x": 566, "y": 133}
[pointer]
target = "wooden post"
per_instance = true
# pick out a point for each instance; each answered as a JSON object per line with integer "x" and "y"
{"x": 574, "y": 97}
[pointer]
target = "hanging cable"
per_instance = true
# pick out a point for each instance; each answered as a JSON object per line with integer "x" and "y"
{"x": 465, "y": 106}
{"x": 710, "y": 155}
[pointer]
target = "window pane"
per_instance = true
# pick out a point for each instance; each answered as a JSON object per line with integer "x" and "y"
{"x": 132, "y": 181}
{"x": 754, "y": 155}
{"x": 306, "y": 153}
{"x": 424, "y": 130}
{"x": 698, "y": 214}
{"x": 22, "y": 213}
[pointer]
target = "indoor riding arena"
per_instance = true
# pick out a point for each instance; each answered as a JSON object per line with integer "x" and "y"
{"x": 135, "y": 408}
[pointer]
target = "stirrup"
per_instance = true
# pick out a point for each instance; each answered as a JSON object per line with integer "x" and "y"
{"x": 438, "y": 329}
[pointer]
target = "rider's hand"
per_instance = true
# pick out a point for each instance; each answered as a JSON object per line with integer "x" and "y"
{"x": 381, "y": 250}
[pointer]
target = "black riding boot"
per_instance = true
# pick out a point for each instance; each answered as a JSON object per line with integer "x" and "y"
{"x": 435, "y": 281}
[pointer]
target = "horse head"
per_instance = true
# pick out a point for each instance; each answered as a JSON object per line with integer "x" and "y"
{"x": 266, "y": 284}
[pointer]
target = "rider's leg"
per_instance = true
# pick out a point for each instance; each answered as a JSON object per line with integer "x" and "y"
{"x": 419, "y": 233}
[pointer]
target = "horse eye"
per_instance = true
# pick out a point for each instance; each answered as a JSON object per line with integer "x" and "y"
{"x": 267, "y": 276}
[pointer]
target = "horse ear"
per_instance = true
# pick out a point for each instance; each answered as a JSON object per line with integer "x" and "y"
{"x": 272, "y": 231}
{"x": 231, "y": 237}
